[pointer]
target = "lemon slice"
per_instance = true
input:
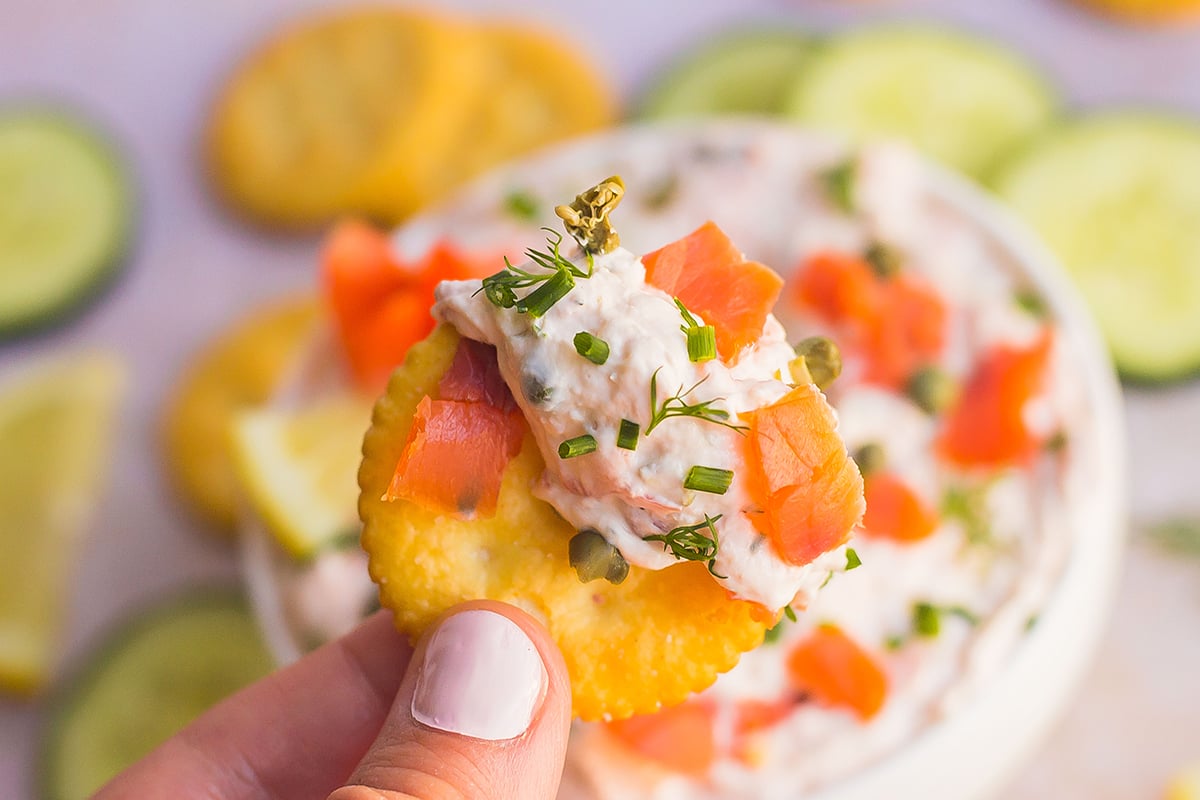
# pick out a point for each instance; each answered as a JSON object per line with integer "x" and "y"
{"x": 299, "y": 469}
{"x": 238, "y": 370}
{"x": 55, "y": 426}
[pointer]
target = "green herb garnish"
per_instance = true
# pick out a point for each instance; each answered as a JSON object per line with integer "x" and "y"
{"x": 579, "y": 446}
{"x": 552, "y": 285}
{"x": 691, "y": 543}
{"x": 790, "y": 613}
{"x": 676, "y": 406}
{"x": 852, "y": 559}
{"x": 521, "y": 204}
{"x": 968, "y": 505}
{"x": 701, "y": 338}
{"x": 593, "y": 348}
{"x": 1031, "y": 302}
{"x": 926, "y": 620}
{"x": 774, "y": 632}
{"x": 627, "y": 434}
{"x": 839, "y": 184}
{"x": 708, "y": 479}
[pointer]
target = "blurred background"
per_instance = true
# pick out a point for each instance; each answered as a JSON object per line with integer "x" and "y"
{"x": 208, "y": 146}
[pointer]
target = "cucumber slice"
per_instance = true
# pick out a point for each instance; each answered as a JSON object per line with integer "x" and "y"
{"x": 1117, "y": 197}
{"x": 65, "y": 210}
{"x": 959, "y": 99}
{"x": 742, "y": 73}
{"x": 148, "y": 680}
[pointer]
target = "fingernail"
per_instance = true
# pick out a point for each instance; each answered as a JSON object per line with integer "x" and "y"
{"x": 481, "y": 677}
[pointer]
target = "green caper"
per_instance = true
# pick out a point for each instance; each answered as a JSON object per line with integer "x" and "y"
{"x": 822, "y": 359}
{"x": 594, "y": 558}
{"x": 871, "y": 457}
{"x": 884, "y": 259}
{"x": 932, "y": 389}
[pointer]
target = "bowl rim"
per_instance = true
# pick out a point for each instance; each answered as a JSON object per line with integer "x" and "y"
{"x": 1074, "y": 612}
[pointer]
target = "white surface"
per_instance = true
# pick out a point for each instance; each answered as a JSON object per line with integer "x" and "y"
{"x": 147, "y": 70}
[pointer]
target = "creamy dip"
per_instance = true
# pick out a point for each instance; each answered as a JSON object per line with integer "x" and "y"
{"x": 627, "y": 495}
{"x": 763, "y": 186}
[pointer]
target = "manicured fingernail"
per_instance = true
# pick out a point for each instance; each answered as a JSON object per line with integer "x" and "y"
{"x": 481, "y": 677}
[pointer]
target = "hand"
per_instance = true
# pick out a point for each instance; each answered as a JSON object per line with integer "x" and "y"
{"x": 478, "y": 710}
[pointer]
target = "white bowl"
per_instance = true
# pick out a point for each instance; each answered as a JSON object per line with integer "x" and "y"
{"x": 971, "y": 753}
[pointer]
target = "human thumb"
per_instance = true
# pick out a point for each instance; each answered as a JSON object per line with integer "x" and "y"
{"x": 482, "y": 714}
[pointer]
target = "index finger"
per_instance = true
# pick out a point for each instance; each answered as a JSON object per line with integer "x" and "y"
{"x": 295, "y": 734}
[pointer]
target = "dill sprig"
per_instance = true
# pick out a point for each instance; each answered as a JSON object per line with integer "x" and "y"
{"x": 691, "y": 543}
{"x": 677, "y": 406}
{"x": 557, "y": 279}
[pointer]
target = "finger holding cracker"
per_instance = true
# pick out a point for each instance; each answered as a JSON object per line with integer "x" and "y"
{"x": 618, "y": 446}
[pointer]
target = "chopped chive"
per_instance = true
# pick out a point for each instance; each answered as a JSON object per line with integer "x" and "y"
{"x": 702, "y": 343}
{"x": 540, "y": 300}
{"x": 789, "y": 613}
{"x": 926, "y": 620}
{"x": 708, "y": 479}
{"x": 593, "y": 348}
{"x": 773, "y": 633}
{"x": 825, "y": 582}
{"x": 521, "y": 204}
{"x": 852, "y": 559}
{"x": 627, "y": 434}
{"x": 839, "y": 185}
{"x": 579, "y": 446}
{"x": 1031, "y": 302}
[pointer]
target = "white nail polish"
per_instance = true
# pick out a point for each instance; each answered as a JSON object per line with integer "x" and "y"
{"x": 481, "y": 677}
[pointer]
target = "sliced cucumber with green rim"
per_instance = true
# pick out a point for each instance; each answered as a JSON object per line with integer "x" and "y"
{"x": 152, "y": 677}
{"x": 742, "y": 73}
{"x": 65, "y": 210}
{"x": 962, "y": 100}
{"x": 1117, "y": 197}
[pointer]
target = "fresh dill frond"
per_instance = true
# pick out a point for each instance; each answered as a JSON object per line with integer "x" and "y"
{"x": 677, "y": 406}
{"x": 692, "y": 543}
{"x": 551, "y": 285}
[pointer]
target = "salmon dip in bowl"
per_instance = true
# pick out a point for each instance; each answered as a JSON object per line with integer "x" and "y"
{"x": 930, "y": 655}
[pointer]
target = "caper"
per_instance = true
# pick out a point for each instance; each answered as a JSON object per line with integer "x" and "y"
{"x": 594, "y": 558}
{"x": 884, "y": 259}
{"x": 871, "y": 457}
{"x": 932, "y": 389}
{"x": 822, "y": 359}
{"x": 535, "y": 388}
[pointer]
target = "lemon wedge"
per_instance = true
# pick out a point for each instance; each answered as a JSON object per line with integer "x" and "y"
{"x": 298, "y": 469}
{"x": 239, "y": 369}
{"x": 55, "y": 425}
